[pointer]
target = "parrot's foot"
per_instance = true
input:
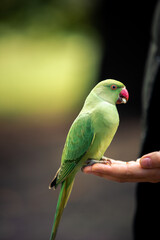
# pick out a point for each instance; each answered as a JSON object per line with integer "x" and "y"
{"x": 103, "y": 160}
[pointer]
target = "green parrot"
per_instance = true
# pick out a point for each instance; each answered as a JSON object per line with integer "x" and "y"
{"x": 88, "y": 138}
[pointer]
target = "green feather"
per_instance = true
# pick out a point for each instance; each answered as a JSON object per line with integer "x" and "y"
{"x": 64, "y": 194}
{"x": 78, "y": 141}
{"x": 89, "y": 136}
{"x": 79, "y": 138}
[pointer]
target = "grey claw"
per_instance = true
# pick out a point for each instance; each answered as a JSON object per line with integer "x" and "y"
{"x": 91, "y": 162}
{"x": 103, "y": 160}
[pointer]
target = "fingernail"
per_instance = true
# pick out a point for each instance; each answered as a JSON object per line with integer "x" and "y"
{"x": 146, "y": 162}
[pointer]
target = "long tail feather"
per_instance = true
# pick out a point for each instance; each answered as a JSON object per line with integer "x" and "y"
{"x": 64, "y": 194}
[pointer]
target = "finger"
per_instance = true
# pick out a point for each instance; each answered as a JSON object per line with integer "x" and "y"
{"x": 121, "y": 179}
{"x": 124, "y": 172}
{"x": 118, "y": 166}
{"x": 117, "y": 169}
{"x": 151, "y": 160}
{"x": 88, "y": 169}
{"x": 120, "y": 171}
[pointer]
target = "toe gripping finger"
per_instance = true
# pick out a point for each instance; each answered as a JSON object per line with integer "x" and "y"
{"x": 103, "y": 160}
{"x": 91, "y": 162}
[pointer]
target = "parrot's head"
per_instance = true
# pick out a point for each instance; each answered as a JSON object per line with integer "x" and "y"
{"x": 112, "y": 91}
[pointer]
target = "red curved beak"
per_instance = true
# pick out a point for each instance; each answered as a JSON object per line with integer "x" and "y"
{"x": 123, "y": 96}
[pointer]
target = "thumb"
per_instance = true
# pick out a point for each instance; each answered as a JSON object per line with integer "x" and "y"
{"x": 150, "y": 160}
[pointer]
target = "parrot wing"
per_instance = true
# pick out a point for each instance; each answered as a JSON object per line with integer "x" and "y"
{"x": 79, "y": 139}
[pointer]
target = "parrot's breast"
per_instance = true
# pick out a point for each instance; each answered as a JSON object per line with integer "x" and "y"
{"x": 105, "y": 123}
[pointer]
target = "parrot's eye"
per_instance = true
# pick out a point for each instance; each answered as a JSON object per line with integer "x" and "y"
{"x": 113, "y": 87}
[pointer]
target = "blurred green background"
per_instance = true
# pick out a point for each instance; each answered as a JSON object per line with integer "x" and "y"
{"x": 52, "y": 52}
{"x": 49, "y": 56}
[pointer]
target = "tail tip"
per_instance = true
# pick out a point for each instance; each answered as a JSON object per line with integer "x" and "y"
{"x": 53, "y": 184}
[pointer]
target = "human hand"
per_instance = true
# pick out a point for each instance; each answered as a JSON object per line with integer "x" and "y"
{"x": 145, "y": 169}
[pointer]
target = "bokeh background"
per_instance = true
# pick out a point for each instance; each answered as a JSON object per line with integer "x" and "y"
{"x": 52, "y": 52}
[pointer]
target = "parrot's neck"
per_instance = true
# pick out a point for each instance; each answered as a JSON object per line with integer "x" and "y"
{"x": 92, "y": 101}
{"x": 105, "y": 95}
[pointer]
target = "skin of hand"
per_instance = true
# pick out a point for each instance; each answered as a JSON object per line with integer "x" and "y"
{"x": 144, "y": 169}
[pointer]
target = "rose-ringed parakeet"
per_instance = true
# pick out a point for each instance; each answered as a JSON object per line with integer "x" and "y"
{"x": 89, "y": 136}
